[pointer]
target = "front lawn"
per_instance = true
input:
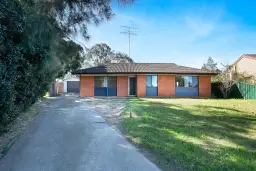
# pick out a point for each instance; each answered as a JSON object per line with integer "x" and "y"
{"x": 195, "y": 134}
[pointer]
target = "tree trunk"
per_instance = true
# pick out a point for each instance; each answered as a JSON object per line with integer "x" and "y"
{"x": 52, "y": 91}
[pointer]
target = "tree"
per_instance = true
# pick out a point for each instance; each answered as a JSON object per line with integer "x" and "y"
{"x": 36, "y": 46}
{"x": 225, "y": 84}
{"x": 226, "y": 81}
{"x": 101, "y": 54}
{"x": 73, "y": 16}
{"x": 72, "y": 57}
{"x": 121, "y": 58}
{"x": 210, "y": 65}
{"x": 226, "y": 87}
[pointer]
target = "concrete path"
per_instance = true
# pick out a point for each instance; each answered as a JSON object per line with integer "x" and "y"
{"x": 68, "y": 136}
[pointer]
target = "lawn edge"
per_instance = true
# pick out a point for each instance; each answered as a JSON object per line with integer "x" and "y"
{"x": 146, "y": 152}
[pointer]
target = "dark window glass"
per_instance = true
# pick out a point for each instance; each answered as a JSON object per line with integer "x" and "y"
{"x": 112, "y": 82}
{"x": 152, "y": 81}
{"x": 100, "y": 82}
{"x": 186, "y": 81}
{"x": 180, "y": 81}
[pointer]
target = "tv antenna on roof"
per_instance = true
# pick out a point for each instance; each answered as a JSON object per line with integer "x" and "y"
{"x": 130, "y": 31}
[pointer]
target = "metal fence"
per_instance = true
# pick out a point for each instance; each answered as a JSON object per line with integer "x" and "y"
{"x": 238, "y": 91}
{"x": 247, "y": 91}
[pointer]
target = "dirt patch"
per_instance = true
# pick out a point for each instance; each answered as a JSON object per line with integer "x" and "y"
{"x": 110, "y": 107}
{"x": 13, "y": 130}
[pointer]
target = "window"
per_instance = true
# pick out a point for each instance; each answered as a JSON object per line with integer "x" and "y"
{"x": 187, "y": 81}
{"x": 151, "y": 81}
{"x": 112, "y": 82}
{"x": 100, "y": 82}
{"x": 195, "y": 82}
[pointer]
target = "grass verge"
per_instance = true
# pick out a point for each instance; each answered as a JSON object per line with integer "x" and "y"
{"x": 195, "y": 134}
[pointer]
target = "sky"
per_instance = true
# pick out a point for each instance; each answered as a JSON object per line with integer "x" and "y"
{"x": 184, "y": 32}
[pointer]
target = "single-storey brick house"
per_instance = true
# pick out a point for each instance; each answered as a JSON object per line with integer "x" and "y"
{"x": 145, "y": 79}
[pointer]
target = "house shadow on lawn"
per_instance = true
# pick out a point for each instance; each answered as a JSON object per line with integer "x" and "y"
{"x": 196, "y": 137}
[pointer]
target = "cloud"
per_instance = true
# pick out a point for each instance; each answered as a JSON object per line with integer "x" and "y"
{"x": 186, "y": 39}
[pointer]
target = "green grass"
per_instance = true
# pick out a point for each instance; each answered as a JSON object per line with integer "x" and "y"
{"x": 195, "y": 134}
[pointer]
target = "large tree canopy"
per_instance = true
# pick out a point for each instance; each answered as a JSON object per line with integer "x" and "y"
{"x": 121, "y": 58}
{"x": 101, "y": 54}
{"x": 71, "y": 56}
{"x": 73, "y": 16}
{"x": 36, "y": 46}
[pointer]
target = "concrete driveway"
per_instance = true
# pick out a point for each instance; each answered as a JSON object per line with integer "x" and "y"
{"x": 67, "y": 135}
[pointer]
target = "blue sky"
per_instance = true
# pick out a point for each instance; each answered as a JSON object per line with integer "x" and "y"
{"x": 185, "y": 32}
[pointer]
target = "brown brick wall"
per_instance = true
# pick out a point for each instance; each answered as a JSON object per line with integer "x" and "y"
{"x": 59, "y": 87}
{"x": 86, "y": 86}
{"x": 204, "y": 86}
{"x": 141, "y": 85}
{"x": 122, "y": 86}
{"x": 166, "y": 85}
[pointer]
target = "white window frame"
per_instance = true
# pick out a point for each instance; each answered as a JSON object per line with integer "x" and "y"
{"x": 151, "y": 80}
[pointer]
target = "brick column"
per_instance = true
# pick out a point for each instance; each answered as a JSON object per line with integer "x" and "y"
{"x": 122, "y": 86}
{"x": 86, "y": 86}
{"x": 166, "y": 85}
{"x": 205, "y": 86}
{"x": 141, "y": 85}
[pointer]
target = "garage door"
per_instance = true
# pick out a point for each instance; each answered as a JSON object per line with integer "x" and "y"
{"x": 73, "y": 86}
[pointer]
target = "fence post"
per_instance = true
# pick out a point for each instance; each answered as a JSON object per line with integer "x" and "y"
{"x": 130, "y": 109}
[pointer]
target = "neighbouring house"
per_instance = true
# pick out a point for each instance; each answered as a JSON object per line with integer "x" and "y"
{"x": 59, "y": 87}
{"x": 145, "y": 79}
{"x": 71, "y": 85}
{"x": 56, "y": 88}
{"x": 246, "y": 65}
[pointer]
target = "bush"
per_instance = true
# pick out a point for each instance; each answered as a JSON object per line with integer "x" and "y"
{"x": 35, "y": 46}
{"x": 25, "y": 74}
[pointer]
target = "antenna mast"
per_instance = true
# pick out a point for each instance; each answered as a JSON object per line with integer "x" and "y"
{"x": 130, "y": 31}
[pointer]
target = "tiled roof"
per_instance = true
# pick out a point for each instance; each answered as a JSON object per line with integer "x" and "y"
{"x": 250, "y": 56}
{"x": 143, "y": 68}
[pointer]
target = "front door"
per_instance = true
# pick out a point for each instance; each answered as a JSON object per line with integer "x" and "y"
{"x": 132, "y": 86}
